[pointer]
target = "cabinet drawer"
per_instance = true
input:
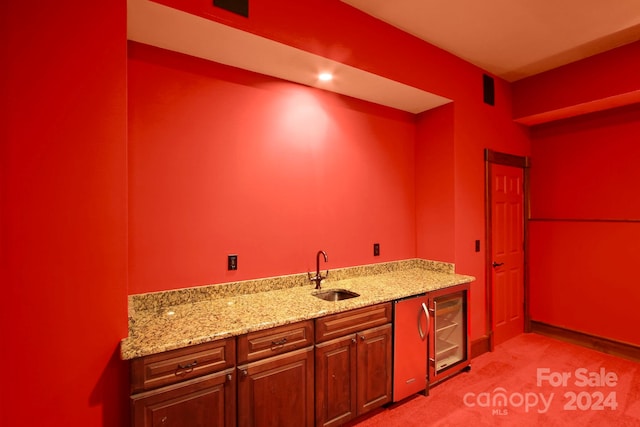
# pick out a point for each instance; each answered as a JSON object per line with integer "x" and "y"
{"x": 178, "y": 365}
{"x": 269, "y": 342}
{"x": 337, "y": 325}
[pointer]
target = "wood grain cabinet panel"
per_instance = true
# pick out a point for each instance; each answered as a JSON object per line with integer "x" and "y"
{"x": 207, "y": 401}
{"x": 374, "y": 368}
{"x": 336, "y": 369}
{"x": 193, "y": 386}
{"x": 270, "y": 342}
{"x": 341, "y": 324}
{"x": 277, "y": 391}
{"x": 353, "y": 372}
{"x": 174, "y": 366}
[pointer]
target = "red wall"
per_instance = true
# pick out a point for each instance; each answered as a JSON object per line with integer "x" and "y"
{"x": 585, "y": 233}
{"x": 364, "y": 42}
{"x": 226, "y": 161}
{"x": 598, "y": 83}
{"x": 63, "y": 207}
{"x": 435, "y": 185}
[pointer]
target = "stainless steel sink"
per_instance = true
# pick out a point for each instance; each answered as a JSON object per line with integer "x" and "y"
{"x": 335, "y": 294}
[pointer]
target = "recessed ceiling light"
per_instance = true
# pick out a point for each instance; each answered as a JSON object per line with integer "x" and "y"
{"x": 325, "y": 77}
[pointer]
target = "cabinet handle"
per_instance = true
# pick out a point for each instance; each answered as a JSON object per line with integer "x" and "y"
{"x": 164, "y": 420}
{"x": 185, "y": 369}
{"x": 426, "y": 312}
{"x": 229, "y": 377}
{"x": 279, "y": 343}
{"x": 243, "y": 372}
{"x": 497, "y": 264}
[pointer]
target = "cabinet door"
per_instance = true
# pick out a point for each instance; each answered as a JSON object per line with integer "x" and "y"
{"x": 374, "y": 368}
{"x": 336, "y": 381}
{"x": 208, "y": 401}
{"x": 277, "y": 391}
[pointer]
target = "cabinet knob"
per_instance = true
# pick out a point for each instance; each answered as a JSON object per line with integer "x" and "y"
{"x": 362, "y": 337}
{"x": 353, "y": 340}
{"x": 229, "y": 377}
{"x": 164, "y": 420}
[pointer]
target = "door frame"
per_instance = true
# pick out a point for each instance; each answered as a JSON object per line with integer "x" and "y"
{"x": 490, "y": 158}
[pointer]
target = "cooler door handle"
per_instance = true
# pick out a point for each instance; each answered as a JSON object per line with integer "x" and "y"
{"x": 426, "y": 312}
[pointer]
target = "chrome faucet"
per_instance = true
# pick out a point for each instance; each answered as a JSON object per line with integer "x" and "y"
{"x": 318, "y": 278}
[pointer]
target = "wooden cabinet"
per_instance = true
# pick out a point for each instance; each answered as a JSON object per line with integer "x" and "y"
{"x": 374, "y": 369}
{"x": 275, "y": 381}
{"x": 278, "y": 378}
{"x": 353, "y": 371}
{"x": 194, "y": 386}
{"x": 208, "y": 401}
{"x": 336, "y": 387}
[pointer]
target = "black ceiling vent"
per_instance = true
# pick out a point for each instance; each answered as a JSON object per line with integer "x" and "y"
{"x": 488, "y": 89}
{"x": 241, "y": 7}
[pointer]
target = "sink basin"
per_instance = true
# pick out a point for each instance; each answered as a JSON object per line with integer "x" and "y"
{"x": 335, "y": 294}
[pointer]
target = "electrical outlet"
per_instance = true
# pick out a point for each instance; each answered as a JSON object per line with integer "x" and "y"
{"x": 376, "y": 249}
{"x": 232, "y": 262}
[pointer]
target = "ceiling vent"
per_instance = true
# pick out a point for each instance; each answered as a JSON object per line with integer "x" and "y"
{"x": 240, "y": 7}
{"x": 488, "y": 89}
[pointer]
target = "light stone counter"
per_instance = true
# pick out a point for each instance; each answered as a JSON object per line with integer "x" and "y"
{"x": 169, "y": 320}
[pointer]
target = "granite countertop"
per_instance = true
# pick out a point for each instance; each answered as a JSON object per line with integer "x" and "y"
{"x": 161, "y": 326}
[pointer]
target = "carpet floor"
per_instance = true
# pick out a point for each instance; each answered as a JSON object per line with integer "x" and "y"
{"x": 530, "y": 380}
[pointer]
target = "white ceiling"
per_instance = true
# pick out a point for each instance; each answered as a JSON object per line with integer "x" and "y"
{"x": 510, "y": 38}
{"x": 514, "y": 38}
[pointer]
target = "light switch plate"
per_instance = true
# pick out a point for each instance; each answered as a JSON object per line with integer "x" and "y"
{"x": 232, "y": 262}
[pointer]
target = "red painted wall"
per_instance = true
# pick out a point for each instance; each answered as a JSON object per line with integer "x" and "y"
{"x": 364, "y": 42}
{"x": 226, "y": 161}
{"x": 63, "y": 208}
{"x": 587, "y": 168}
{"x": 598, "y": 83}
{"x": 435, "y": 185}
{"x": 584, "y": 182}
{"x": 582, "y": 277}
{"x": 479, "y": 126}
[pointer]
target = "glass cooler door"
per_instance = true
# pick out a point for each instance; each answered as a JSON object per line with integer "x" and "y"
{"x": 450, "y": 327}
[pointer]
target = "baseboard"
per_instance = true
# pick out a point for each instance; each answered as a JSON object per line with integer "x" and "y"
{"x": 603, "y": 345}
{"x": 480, "y": 346}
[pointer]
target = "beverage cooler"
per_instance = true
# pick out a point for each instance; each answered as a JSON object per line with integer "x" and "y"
{"x": 430, "y": 339}
{"x": 449, "y": 347}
